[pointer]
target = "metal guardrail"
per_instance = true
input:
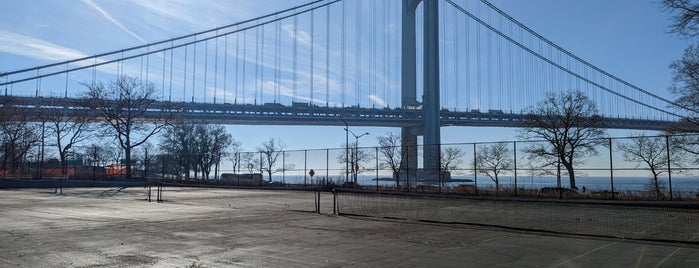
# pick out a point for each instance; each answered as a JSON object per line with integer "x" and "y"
{"x": 277, "y": 114}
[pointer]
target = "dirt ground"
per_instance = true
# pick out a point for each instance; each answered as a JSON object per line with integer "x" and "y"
{"x": 196, "y": 227}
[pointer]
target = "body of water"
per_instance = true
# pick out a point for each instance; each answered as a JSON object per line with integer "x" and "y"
{"x": 591, "y": 183}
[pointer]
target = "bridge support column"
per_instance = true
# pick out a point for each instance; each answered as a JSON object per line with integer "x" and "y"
{"x": 430, "y": 98}
{"x": 409, "y": 91}
{"x": 430, "y": 105}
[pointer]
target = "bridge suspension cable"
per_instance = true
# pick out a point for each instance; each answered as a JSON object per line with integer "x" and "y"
{"x": 556, "y": 67}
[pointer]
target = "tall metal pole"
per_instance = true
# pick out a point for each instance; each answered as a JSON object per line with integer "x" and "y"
{"x": 355, "y": 154}
{"x": 515, "y": 163}
{"x": 305, "y": 166}
{"x": 377, "y": 168}
{"x": 669, "y": 170}
{"x": 611, "y": 166}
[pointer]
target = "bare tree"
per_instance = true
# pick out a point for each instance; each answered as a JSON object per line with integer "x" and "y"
{"x": 651, "y": 152}
{"x": 685, "y": 16}
{"x": 685, "y": 85}
{"x": 234, "y": 154}
{"x": 68, "y": 128}
{"x": 97, "y": 156}
{"x": 452, "y": 158}
{"x": 492, "y": 160}
{"x": 178, "y": 141}
{"x": 570, "y": 123}
{"x": 125, "y": 105}
{"x": 271, "y": 150}
{"x": 357, "y": 157}
{"x": 19, "y": 133}
{"x": 211, "y": 142}
{"x": 250, "y": 162}
{"x": 390, "y": 148}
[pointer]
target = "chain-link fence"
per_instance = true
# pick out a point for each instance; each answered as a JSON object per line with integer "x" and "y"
{"x": 643, "y": 167}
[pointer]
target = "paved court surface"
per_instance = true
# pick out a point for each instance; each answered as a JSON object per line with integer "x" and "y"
{"x": 113, "y": 227}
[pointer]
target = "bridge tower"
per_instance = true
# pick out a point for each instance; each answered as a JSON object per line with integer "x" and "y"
{"x": 430, "y": 99}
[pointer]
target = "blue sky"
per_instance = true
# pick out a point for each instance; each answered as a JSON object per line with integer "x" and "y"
{"x": 624, "y": 37}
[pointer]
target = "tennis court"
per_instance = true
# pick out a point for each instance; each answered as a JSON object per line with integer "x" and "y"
{"x": 212, "y": 227}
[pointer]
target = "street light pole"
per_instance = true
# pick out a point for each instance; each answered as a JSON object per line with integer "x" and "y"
{"x": 356, "y": 151}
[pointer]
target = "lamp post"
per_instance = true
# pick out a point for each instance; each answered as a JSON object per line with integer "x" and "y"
{"x": 356, "y": 151}
{"x": 346, "y": 148}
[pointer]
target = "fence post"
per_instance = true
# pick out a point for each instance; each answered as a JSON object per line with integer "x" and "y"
{"x": 669, "y": 169}
{"x": 259, "y": 183}
{"x": 475, "y": 170}
{"x": 327, "y": 166}
{"x": 377, "y": 168}
{"x": 611, "y": 166}
{"x": 317, "y": 200}
{"x": 515, "y": 164}
{"x": 305, "y": 166}
{"x": 284, "y": 168}
{"x": 334, "y": 201}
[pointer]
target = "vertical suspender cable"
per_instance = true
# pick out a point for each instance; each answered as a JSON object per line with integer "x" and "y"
{"x": 500, "y": 88}
{"x": 386, "y": 17}
{"x": 478, "y": 58}
{"x": 490, "y": 65}
{"x": 237, "y": 61}
{"x": 468, "y": 62}
{"x": 311, "y": 54}
{"x": 257, "y": 63}
{"x": 184, "y": 83}
{"x": 194, "y": 66}
{"x": 277, "y": 36}
{"x": 278, "y": 60}
{"x": 457, "y": 62}
{"x": 140, "y": 76}
{"x": 65, "y": 95}
{"x": 206, "y": 66}
{"x": 327, "y": 55}
{"x": 225, "y": 66}
{"x": 295, "y": 59}
{"x": 216, "y": 68}
{"x": 373, "y": 51}
{"x": 38, "y": 84}
{"x": 344, "y": 54}
{"x": 171, "y": 64}
{"x": 120, "y": 65}
{"x": 94, "y": 71}
{"x": 510, "y": 82}
{"x": 262, "y": 64}
{"x": 245, "y": 63}
{"x": 442, "y": 48}
{"x": 358, "y": 52}
{"x": 148, "y": 63}
{"x": 163, "y": 80}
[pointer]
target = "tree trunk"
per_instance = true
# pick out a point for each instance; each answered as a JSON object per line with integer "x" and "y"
{"x": 571, "y": 175}
{"x": 127, "y": 151}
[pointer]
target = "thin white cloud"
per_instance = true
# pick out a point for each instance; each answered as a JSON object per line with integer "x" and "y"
{"x": 112, "y": 20}
{"x": 377, "y": 100}
{"x": 301, "y": 36}
{"x": 13, "y": 43}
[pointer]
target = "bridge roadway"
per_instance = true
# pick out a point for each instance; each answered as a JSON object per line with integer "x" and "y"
{"x": 303, "y": 114}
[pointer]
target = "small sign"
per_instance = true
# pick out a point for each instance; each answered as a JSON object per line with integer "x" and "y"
{"x": 312, "y": 172}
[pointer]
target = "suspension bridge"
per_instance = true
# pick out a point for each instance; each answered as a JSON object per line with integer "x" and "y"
{"x": 414, "y": 64}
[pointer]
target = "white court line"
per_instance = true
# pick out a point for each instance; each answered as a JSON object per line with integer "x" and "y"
{"x": 667, "y": 257}
{"x": 584, "y": 254}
